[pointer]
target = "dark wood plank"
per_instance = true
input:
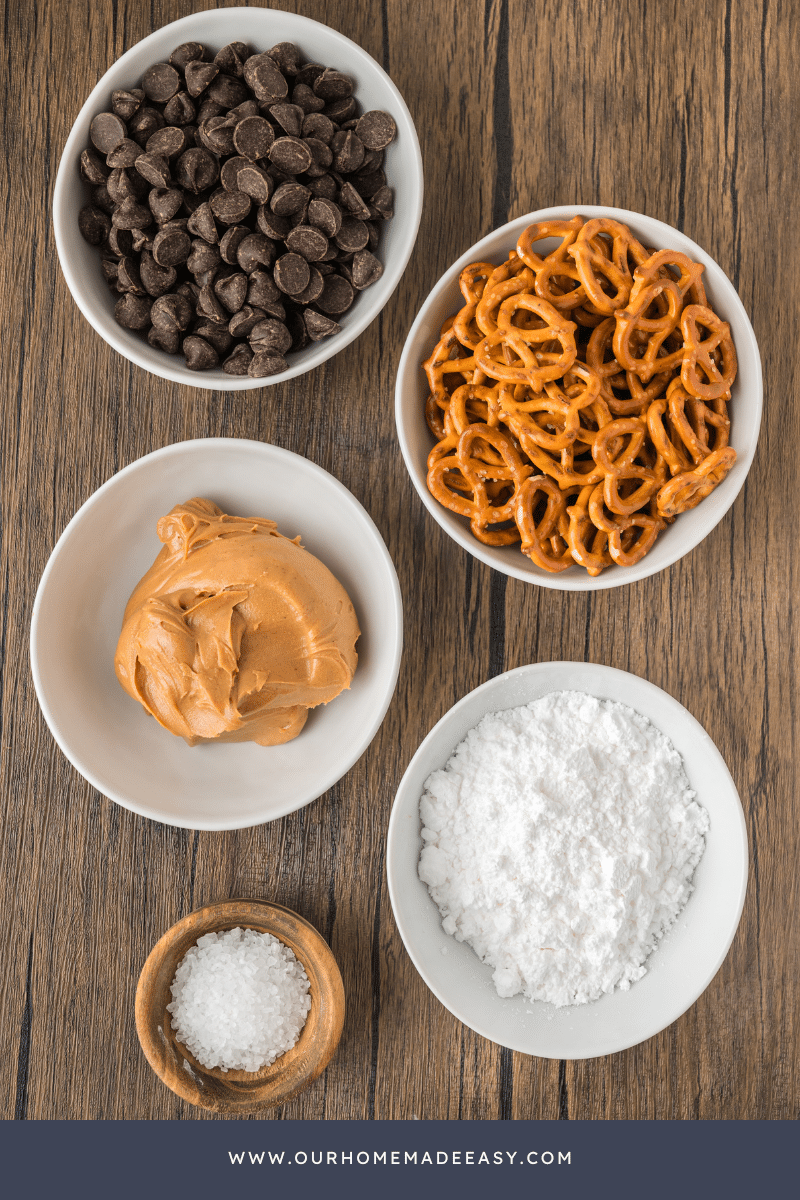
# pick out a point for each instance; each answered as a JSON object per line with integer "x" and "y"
{"x": 518, "y": 106}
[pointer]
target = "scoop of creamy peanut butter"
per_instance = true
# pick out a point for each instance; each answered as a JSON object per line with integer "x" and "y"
{"x": 235, "y": 632}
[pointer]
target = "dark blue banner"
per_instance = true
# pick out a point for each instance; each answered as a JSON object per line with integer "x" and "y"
{"x": 576, "y": 1160}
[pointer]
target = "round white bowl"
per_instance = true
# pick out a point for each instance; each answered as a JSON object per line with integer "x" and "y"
{"x": 261, "y": 28}
{"x": 689, "y": 955}
{"x": 691, "y": 527}
{"x": 77, "y": 616}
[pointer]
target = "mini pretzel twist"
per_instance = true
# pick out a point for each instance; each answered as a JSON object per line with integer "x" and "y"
{"x": 535, "y": 364}
{"x": 598, "y": 270}
{"x": 556, "y": 267}
{"x": 686, "y": 490}
{"x": 621, "y": 467}
{"x": 700, "y": 374}
{"x": 461, "y": 456}
{"x": 544, "y": 541}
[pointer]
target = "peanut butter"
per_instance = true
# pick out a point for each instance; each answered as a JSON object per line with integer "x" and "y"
{"x": 235, "y": 632}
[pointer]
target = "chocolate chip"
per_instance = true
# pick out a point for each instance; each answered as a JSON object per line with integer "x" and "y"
{"x": 244, "y": 320}
{"x": 373, "y": 159}
{"x": 292, "y": 273}
{"x": 216, "y": 334}
{"x": 124, "y": 154}
{"x": 165, "y": 203}
{"x": 332, "y": 85}
{"x": 270, "y": 335}
{"x": 336, "y": 297}
{"x": 230, "y": 207}
{"x": 352, "y": 236}
{"x": 230, "y": 242}
{"x": 200, "y": 355}
{"x": 308, "y": 241}
{"x": 196, "y": 169}
{"x": 101, "y": 199}
{"x": 155, "y": 279}
{"x": 201, "y": 223}
{"x": 128, "y": 279}
{"x": 312, "y": 290}
{"x": 289, "y": 117}
{"x": 318, "y": 126}
{"x": 265, "y": 79}
{"x": 325, "y": 215}
{"x": 132, "y": 312}
{"x": 319, "y": 326}
{"x": 308, "y": 72}
{"x": 287, "y": 56}
{"x": 253, "y": 137}
{"x": 93, "y": 169}
{"x": 238, "y": 362}
{"x": 171, "y": 247}
{"x": 350, "y": 199}
{"x": 255, "y": 183}
{"x": 291, "y": 155}
{"x": 368, "y": 185}
{"x": 198, "y": 77}
{"x": 304, "y": 98}
{"x": 107, "y": 131}
{"x": 326, "y": 187}
{"x": 208, "y": 109}
{"x": 119, "y": 186}
{"x": 125, "y": 104}
{"x": 374, "y": 235}
{"x": 366, "y": 269}
{"x": 271, "y": 225}
{"x": 131, "y": 215}
{"x": 321, "y": 157}
{"x": 376, "y": 129}
{"x": 144, "y": 124}
{"x": 169, "y": 142}
{"x": 94, "y": 224}
{"x": 341, "y": 110}
{"x": 289, "y": 198}
{"x": 141, "y": 240}
{"x": 179, "y": 110}
{"x": 160, "y": 82}
{"x": 231, "y": 59}
{"x": 203, "y": 259}
{"x": 348, "y": 152}
{"x": 228, "y": 91}
{"x": 232, "y": 291}
{"x": 383, "y": 201}
{"x": 120, "y": 241}
{"x": 255, "y": 250}
{"x": 208, "y": 306}
{"x": 164, "y": 339}
{"x": 186, "y": 53}
{"x": 263, "y": 293}
{"x": 266, "y": 363}
{"x": 297, "y": 328}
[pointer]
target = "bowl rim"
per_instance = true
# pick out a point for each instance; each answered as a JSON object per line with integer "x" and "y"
{"x": 358, "y": 746}
{"x": 566, "y": 580}
{"x": 325, "y": 349}
{"x": 397, "y": 881}
{"x": 316, "y": 947}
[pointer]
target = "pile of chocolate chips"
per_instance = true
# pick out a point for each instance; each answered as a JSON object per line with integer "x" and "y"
{"x": 237, "y": 202}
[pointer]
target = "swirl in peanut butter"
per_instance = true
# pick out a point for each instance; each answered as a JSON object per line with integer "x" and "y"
{"x": 235, "y": 632}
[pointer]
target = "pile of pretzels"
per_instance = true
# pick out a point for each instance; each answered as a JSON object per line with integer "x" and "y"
{"x": 579, "y": 399}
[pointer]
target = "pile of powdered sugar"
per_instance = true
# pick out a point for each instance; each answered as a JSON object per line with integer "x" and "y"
{"x": 559, "y": 842}
{"x": 239, "y": 999}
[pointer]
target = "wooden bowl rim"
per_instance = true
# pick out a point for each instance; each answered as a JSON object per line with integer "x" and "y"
{"x": 241, "y": 1091}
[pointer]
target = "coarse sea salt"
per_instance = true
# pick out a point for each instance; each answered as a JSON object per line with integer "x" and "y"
{"x": 559, "y": 842}
{"x": 240, "y": 999}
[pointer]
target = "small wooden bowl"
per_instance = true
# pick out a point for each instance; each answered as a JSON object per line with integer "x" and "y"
{"x": 240, "y": 1091}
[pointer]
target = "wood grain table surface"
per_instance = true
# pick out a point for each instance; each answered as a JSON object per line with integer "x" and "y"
{"x": 682, "y": 112}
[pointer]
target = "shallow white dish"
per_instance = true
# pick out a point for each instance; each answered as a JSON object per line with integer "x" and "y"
{"x": 261, "y": 28}
{"x": 681, "y": 967}
{"x": 77, "y": 616}
{"x": 690, "y": 528}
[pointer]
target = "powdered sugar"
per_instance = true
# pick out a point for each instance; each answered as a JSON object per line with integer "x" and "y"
{"x": 559, "y": 842}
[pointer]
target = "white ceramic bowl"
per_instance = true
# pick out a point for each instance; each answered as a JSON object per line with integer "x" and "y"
{"x": 261, "y": 28}
{"x": 77, "y": 616}
{"x": 688, "y": 957}
{"x": 745, "y": 410}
